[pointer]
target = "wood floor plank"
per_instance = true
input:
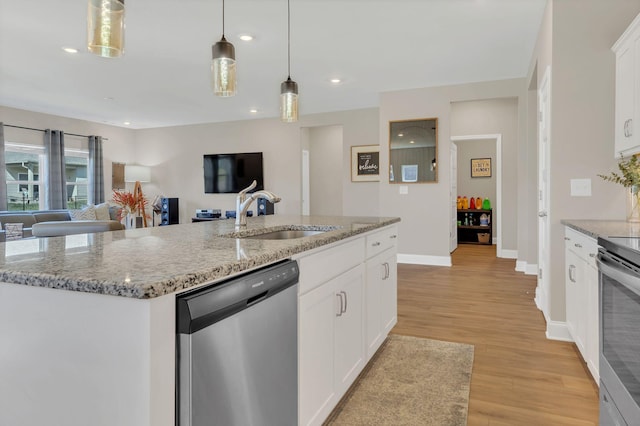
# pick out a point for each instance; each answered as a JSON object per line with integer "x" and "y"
{"x": 519, "y": 376}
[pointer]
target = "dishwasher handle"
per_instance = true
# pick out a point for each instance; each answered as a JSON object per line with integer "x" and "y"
{"x": 202, "y": 307}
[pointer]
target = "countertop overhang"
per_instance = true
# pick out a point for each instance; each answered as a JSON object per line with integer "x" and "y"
{"x": 604, "y": 228}
{"x": 150, "y": 262}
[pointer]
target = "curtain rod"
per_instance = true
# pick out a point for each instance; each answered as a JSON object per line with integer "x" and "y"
{"x": 41, "y": 130}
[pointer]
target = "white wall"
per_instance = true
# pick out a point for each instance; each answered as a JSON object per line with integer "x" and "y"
{"x": 575, "y": 41}
{"x": 496, "y": 116}
{"x": 325, "y": 158}
{"x": 424, "y": 230}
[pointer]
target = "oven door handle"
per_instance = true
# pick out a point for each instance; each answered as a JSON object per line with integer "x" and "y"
{"x": 631, "y": 281}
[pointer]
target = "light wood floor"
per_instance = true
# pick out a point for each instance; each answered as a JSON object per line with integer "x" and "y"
{"x": 519, "y": 377}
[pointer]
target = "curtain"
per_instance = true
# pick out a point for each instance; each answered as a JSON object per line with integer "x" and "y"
{"x": 56, "y": 179}
{"x": 96, "y": 171}
{"x": 3, "y": 172}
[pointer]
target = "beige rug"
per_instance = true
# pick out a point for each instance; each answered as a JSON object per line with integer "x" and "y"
{"x": 410, "y": 381}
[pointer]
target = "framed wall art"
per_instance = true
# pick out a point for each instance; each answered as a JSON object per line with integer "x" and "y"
{"x": 365, "y": 163}
{"x": 480, "y": 167}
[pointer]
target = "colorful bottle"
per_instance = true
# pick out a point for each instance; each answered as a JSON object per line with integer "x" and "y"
{"x": 459, "y": 203}
{"x": 465, "y": 202}
{"x": 486, "y": 204}
{"x": 472, "y": 203}
{"x": 478, "y": 203}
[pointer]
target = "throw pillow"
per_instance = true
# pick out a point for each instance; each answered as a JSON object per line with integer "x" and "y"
{"x": 88, "y": 213}
{"x": 102, "y": 211}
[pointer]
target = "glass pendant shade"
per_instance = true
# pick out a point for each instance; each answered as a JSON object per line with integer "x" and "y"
{"x": 223, "y": 68}
{"x": 289, "y": 101}
{"x": 105, "y": 28}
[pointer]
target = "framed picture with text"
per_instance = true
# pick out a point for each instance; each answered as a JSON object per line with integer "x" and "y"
{"x": 480, "y": 167}
{"x": 365, "y": 163}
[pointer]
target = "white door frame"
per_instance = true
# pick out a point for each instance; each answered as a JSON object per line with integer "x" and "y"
{"x": 497, "y": 207}
{"x": 544, "y": 140}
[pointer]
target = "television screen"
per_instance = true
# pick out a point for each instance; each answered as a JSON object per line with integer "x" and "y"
{"x": 230, "y": 173}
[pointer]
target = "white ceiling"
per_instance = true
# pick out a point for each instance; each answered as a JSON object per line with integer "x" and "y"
{"x": 163, "y": 79}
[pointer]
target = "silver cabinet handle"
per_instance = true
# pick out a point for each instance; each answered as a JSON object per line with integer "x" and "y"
{"x": 386, "y": 269}
{"x": 578, "y": 245}
{"x": 592, "y": 255}
{"x": 346, "y": 300}
{"x": 393, "y": 236}
{"x": 340, "y": 311}
{"x": 628, "y": 128}
{"x": 572, "y": 269}
{"x": 542, "y": 214}
{"x": 376, "y": 244}
{"x": 567, "y": 239}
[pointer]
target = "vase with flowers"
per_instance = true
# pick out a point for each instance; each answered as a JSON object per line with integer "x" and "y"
{"x": 629, "y": 177}
{"x": 131, "y": 207}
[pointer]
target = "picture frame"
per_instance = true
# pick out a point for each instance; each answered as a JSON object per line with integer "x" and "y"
{"x": 365, "y": 163}
{"x": 409, "y": 173}
{"x": 480, "y": 167}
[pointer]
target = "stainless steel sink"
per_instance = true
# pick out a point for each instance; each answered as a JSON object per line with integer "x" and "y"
{"x": 284, "y": 235}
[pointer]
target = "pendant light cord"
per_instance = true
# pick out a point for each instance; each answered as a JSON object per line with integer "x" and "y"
{"x": 222, "y": 18}
{"x": 289, "y": 38}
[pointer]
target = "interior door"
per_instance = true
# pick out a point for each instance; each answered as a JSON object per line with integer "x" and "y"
{"x": 453, "y": 193}
{"x": 544, "y": 140}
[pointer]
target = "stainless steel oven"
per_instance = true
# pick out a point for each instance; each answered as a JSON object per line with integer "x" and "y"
{"x": 619, "y": 300}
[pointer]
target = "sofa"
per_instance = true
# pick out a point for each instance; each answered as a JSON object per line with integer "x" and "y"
{"x": 51, "y": 223}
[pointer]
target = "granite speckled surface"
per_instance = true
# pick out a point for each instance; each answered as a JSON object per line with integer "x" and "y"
{"x": 604, "y": 228}
{"x": 151, "y": 262}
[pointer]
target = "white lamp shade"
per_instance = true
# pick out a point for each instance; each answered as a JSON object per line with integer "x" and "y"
{"x": 135, "y": 173}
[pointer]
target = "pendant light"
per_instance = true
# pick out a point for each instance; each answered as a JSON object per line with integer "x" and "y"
{"x": 223, "y": 65}
{"x": 289, "y": 88}
{"x": 105, "y": 28}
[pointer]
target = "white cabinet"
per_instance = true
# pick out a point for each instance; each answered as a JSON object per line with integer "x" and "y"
{"x": 347, "y": 305}
{"x": 581, "y": 281}
{"x": 627, "y": 102}
{"x": 330, "y": 326}
{"x": 381, "y": 288}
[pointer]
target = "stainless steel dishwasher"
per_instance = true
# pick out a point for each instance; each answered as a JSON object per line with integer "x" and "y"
{"x": 237, "y": 351}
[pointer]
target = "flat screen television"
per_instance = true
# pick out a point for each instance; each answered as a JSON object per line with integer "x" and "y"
{"x": 230, "y": 173}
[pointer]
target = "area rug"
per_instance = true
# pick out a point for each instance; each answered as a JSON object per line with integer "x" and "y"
{"x": 410, "y": 381}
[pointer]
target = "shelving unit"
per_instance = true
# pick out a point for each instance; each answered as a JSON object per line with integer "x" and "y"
{"x": 468, "y": 234}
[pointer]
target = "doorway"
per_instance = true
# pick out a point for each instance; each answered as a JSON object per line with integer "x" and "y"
{"x": 496, "y": 204}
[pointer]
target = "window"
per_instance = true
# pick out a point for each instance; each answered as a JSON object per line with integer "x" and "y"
{"x": 24, "y": 166}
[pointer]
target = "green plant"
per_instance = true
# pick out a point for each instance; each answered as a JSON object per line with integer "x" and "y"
{"x": 629, "y": 173}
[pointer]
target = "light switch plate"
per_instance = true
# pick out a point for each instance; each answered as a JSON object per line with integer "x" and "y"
{"x": 581, "y": 187}
{"x": 403, "y": 189}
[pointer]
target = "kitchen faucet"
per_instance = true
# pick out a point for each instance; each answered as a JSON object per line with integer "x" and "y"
{"x": 243, "y": 202}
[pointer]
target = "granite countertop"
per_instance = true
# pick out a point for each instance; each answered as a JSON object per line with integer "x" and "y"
{"x": 151, "y": 262}
{"x": 604, "y": 228}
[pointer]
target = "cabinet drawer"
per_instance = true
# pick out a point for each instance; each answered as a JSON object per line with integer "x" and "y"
{"x": 381, "y": 240}
{"x": 582, "y": 245}
{"x": 320, "y": 267}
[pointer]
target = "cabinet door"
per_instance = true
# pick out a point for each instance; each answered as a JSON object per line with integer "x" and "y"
{"x": 593, "y": 323}
{"x": 389, "y": 294}
{"x": 624, "y": 102}
{"x": 316, "y": 313}
{"x": 349, "y": 328}
{"x": 376, "y": 272}
{"x": 571, "y": 283}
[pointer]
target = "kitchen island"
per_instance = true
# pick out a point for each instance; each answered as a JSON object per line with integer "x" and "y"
{"x": 87, "y": 322}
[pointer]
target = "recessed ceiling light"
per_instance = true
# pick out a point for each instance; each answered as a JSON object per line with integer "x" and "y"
{"x": 335, "y": 80}
{"x": 70, "y": 50}
{"x": 246, "y": 37}
{"x": 412, "y": 142}
{"x": 126, "y": 123}
{"x": 400, "y": 135}
{"x": 253, "y": 110}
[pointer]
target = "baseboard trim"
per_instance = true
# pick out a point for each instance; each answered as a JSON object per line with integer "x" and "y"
{"x": 508, "y": 254}
{"x": 557, "y": 330}
{"x": 416, "y": 259}
{"x": 528, "y": 269}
